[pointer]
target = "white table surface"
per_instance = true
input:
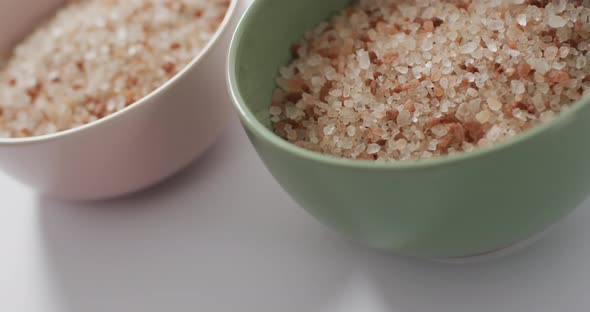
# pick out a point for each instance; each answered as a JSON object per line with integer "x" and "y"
{"x": 223, "y": 237}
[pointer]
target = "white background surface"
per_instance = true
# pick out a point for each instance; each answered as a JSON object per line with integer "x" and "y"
{"x": 223, "y": 237}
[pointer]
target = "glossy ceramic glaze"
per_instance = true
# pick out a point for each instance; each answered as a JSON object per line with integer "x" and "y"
{"x": 133, "y": 148}
{"x": 448, "y": 207}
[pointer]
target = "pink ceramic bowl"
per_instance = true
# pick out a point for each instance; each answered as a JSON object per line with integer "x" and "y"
{"x": 134, "y": 148}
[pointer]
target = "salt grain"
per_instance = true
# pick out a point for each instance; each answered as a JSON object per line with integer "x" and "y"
{"x": 329, "y": 130}
{"x": 440, "y": 130}
{"x": 364, "y": 60}
{"x": 564, "y": 52}
{"x": 581, "y": 62}
{"x": 472, "y": 92}
{"x": 404, "y": 118}
{"x": 351, "y": 130}
{"x": 551, "y": 53}
{"x": 547, "y": 116}
{"x": 402, "y": 69}
{"x": 517, "y": 87}
{"x": 468, "y": 48}
{"x": 556, "y": 21}
{"x": 483, "y": 116}
{"x": 521, "y": 19}
{"x": 373, "y": 148}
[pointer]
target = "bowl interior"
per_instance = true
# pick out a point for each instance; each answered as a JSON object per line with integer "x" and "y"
{"x": 265, "y": 38}
{"x": 18, "y": 18}
{"x": 262, "y": 44}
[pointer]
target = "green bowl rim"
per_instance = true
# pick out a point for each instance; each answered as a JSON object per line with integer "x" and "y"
{"x": 254, "y": 125}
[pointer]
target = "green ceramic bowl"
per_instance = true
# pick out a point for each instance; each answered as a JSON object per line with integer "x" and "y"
{"x": 442, "y": 208}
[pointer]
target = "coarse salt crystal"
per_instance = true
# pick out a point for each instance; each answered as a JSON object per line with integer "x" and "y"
{"x": 293, "y": 112}
{"x": 336, "y": 92}
{"x": 559, "y": 5}
{"x": 538, "y": 102}
{"x": 494, "y": 133}
{"x": 556, "y": 21}
{"x": 517, "y": 87}
{"x": 581, "y": 62}
{"x": 402, "y": 69}
{"x": 548, "y": 115}
{"x": 483, "y": 116}
{"x": 351, "y": 131}
{"x": 359, "y": 149}
{"x": 404, "y": 118}
{"x": 364, "y": 60}
{"x": 409, "y": 43}
{"x": 492, "y": 46}
{"x": 469, "y": 47}
{"x": 435, "y": 75}
{"x": 472, "y": 92}
{"x": 551, "y": 53}
{"x": 444, "y": 83}
{"x": 494, "y": 104}
{"x": 432, "y": 146}
{"x": 400, "y": 144}
{"x": 564, "y": 51}
{"x": 329, "y": 129}
{"x": 373, "y": 148}
{"x": 495, "y": 25}
{"x": 427, "y": 44}
{"x": 518, "y": 114}
{"x": 521, "y": 19}
{"x": 440, "y": 130}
